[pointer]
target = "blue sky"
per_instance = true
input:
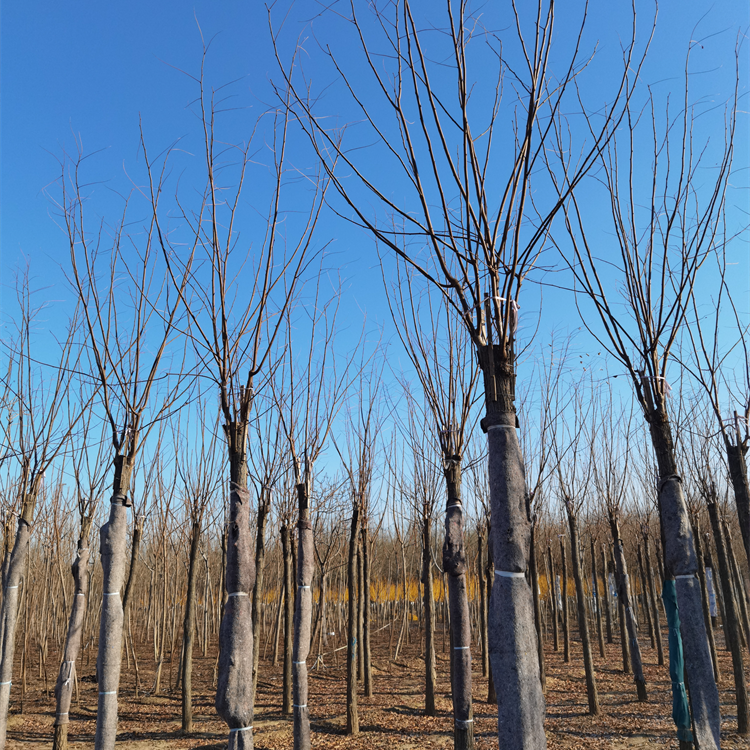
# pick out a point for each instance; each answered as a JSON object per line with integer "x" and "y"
{"x": 93, "y": 70}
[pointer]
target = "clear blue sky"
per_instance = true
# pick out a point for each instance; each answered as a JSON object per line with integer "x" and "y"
{"x": 90, "y": 70}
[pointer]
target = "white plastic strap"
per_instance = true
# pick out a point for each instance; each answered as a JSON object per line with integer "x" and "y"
{"x": 240, "y": 729}
{"x": 460, "y": 648}
{"x": 299, "y": 662}
{"x": 8, "y": 588}
{"x": 509, "y": 574}
{"x": 6, "y": 683}
{"x": 687, "y": 575}
{"x": 303, "y": 587}
{"x": 455, "y": 505}
{"x": 64, "y": 713}
{"x": 80, "y": 593}
{"x": 501, "y": 427}
{"x": 463, "y": 722}
{"x": 111, "y": 593}
{"x": 109, "y": 692}
{"x": 303, "y": 706}
{"x": 239, "y": 593}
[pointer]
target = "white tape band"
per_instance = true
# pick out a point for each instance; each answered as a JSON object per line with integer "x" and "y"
{"x": 8, "y": 588}
{"x": 111, "y": 593}
{"x": 303, "y": 587}
{"x": 299, "y": 662}
{"x": 240, "y": 729}
{"x": 509, "y": 574}
{"x": 239, "y": 593}
{"x": 501, "y": 427}
{"x": 464, "y": 722}
{"x": 460, "y": 648}
{"x": 109, "y": 692}
{"x": 688, "y": 575}
{"x": 303, "y": 706}
{"x": 9, "y": 682}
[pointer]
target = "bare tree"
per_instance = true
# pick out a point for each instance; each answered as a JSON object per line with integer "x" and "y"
{"x": 129, "y": 321}
{"x": 441, "y": 354}
{"x": 659, "y": 250}
{"x": 90, "y": 474}
{"x": 236, "y": 301}
{"x": 41, "y": 419}
{"x": 483, "y": 239}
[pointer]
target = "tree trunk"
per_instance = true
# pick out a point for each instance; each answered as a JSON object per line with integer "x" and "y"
{"x": 134, "y": 552}
{"x": 738, "y": 474}
{"x": 739, "y": 584}
{"x": 645, "y": 598}
{"x": 654, "y": 603}
{"x": 482, "y": 604}
{"x": 303, "y": 620}
{"x": 706, "y": 601}
{"x": 234, "y": 690}
{"x": 681, "y": 563}
{"x": 67, "y": 675}
{"x": 10, "y": 610}
{"x": 607, "y": 604}
{"x": 583, "y": 624}
{"x": 260, "y": 558}
{"x": 352, "y": 717}
{"x": 360, "y": 608}
{"x": 552, "y": 586}
{"x": 454, "y": 565}
{"x": 598, "y": 600}
{"x": 564, "y": 596}
{"x": 113, "y": 542}
{"x": 731, "y": 626}
{"x": 623, "y": 593}
{"x": 429, "y": 619}
{"x": 289, "y": 605}
{"x": 512, "y": 635}
{"x": 188, "y": 630}
{"x": 365, "y": 598}
{"x": 534, "y": 575}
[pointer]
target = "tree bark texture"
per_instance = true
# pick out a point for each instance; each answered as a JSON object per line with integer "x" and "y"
{"x": 289, "y": 597}
{"x": 188, "y": 630}
{"x": 512, "y": 635}
{"x": 738, "y": 474}
{"x": 352, "y": 716}
{"x": 681, "y": 563}
{"x": 9, "y": 614}
{"x": 534, "y": 575}
{"x": 234, "y": 691}
{"x": 598, "y": 600}
{"x": 583, "y": 624}
{"x": 564, "y": 597}
{"x": 428, "y": 598}
{"x": 482, "y": 603}
{"x": 67, "y": 675}
{"x": 302, "y": 621}
{"x": 552, "y": 587}
{"x": 113, "y": 550}
{"x": 365, "y": 598}
{"x": 732, "y": 624}
{"x": 623, "y": 593}
{"x": 454, "y": 565}
{"x": 260, "y": 557}
{"x": 656, "y": 618}
{"x": 607, "y": 605}
{"x": 706, "y": 602}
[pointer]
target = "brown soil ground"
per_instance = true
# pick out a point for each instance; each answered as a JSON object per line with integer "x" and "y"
{"x": 392, "y": 719}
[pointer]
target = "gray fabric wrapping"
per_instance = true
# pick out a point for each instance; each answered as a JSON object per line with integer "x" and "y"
{"x": 512, "y": 635}
{"x": 66, "y": 677}
{"x": 302, "y": 627}
{"x": 9, "y": 614}
{"x": 113, "y": 553}
{"x": 680, "y": 560}
{"x": 234, "y": 691}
